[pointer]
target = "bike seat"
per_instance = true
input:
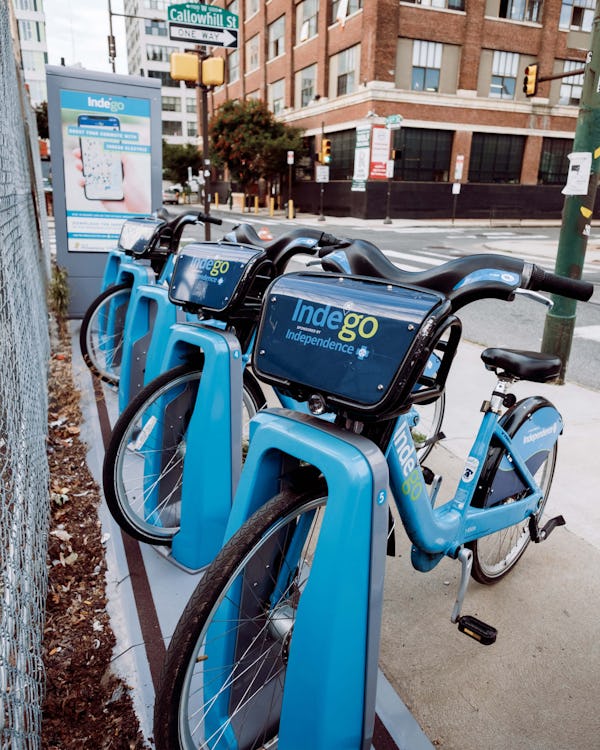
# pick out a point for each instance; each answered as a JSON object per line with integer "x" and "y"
{"x": 524, "y": 365}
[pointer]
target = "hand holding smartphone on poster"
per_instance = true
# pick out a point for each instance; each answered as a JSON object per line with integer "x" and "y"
{"x": 108, "y": 175}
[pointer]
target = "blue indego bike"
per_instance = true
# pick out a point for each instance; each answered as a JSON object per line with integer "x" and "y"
{"x": 172, "y": 463}
{"x": 278, "y": 646}
{"x": 144, "y": 255}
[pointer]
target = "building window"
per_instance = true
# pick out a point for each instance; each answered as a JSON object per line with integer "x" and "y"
{"x": 251, "y": 7}
{"x": 233, "y": 66}
{"x": 521, "y": 10}
{"x": 449, "y": 4}
{"x": 26, "y": 4}
{"x": 253, "y": 95}
{"x": 505, "y": 66}
{"x": 572, "y": 87}
{"x": 234, "y": 7}
{"x": 343, "y": 146}
{"x": 577, "y": 15}
{"x": 192, "y": 129}
{"x": 344, "y": 71}
{"x": 159, "y": 52}
{"x": 190, "y": 106}
{"x": 155, "y": 4}
{"x": 252, "y": 53}
{"x": 171, "y": 104}
{"x": 427, "y": 61}
{"x": 164, "y": 77}
{"x": 31, "y": 31}
{"x": 276, "y": 33}
{"x": 424, "y": 155}
{"x": 554, "y": 162}
{"x": 276, "y": 96}
{"x": 307, "y": 20}
{"x": 33, "y": 59}
{"x": 306, "y": 81}
{"x": 496, "y": 157}
{"x": 156, "y": 28}
{"x": 341, "y": 9}
{"x": 171, "y": 127}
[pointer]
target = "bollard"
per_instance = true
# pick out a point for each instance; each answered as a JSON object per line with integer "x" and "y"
{"x": 290, "y": 209}
{"x": 256, "y": 204}
{"x": 271, "y": 206}
{"x": 216, "y": 200}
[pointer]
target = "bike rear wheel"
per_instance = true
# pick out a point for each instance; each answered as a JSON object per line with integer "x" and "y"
{"x": 224, "y": 674}
{"x": 101, "y": 334}
{"x": 143, "y": 466}
{"x": 496, "y": 555}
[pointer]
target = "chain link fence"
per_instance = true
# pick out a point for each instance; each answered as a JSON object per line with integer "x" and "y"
{"x": 24, "y": 351}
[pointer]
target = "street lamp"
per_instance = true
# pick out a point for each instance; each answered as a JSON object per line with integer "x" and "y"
{"x": 112, "y": 47}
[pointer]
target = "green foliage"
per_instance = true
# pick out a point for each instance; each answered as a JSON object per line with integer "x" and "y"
{"x": 250, "y": 141}
{"x": 176, "y": 160}
{"x": 41, "y": 116}
{"x": 58, "y": 292}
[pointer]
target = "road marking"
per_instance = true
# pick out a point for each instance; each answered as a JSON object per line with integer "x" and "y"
{"x": 592, "y": 333}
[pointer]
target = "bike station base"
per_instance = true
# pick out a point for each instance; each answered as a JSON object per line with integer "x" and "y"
{"x": 546, "y": 661}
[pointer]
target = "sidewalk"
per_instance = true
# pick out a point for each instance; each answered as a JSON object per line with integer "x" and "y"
{"x": 537, "y": 688}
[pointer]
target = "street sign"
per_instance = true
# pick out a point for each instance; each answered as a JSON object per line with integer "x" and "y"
{"x": 290, "y": 157}
{"x": 393, "y": 122}
{"x": 322, "y": 174}
{"x": 203, "y": 24}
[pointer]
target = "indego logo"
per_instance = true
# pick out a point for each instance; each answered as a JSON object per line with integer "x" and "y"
{"x": 347, "y": 324}
{"x": 104, "y": 103}
{"x": 213, "y": 267}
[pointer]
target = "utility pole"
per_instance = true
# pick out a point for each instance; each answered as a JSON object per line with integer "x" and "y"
{"x": 578, "y": 209}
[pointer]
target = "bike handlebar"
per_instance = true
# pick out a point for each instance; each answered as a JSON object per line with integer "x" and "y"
{"x": 544, "y": 281}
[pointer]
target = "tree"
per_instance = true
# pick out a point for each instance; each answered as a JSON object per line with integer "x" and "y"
{"x": 41, "y": 116}
{"x": 250, "y": 141}
{"x": 176, "y": 160}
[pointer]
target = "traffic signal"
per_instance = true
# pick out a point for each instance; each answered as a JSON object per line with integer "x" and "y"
{"x": 184, "y": 66}
{"x": 325, "y": 151}
{"x": 112, "y": 48}
{"x": 530, "y": 80}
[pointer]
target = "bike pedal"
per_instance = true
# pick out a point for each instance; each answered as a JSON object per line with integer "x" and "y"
{"x": 478, "y": 630}
{"x": 540, "y": 535}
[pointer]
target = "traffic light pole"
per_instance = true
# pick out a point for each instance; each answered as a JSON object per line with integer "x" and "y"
{"x": 578, "y": 209}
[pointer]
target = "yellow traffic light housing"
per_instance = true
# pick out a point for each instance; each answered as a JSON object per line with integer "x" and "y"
{"x": 213, "y": 71}
{"x": 531, "y": 80}
{"x": 184, "y": 66}
{"x": 325, "y": 151}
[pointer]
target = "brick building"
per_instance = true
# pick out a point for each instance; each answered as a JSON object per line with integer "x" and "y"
{"x": 453, "y": 70}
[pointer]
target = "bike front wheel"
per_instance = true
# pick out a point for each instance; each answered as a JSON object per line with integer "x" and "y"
{"x": 101, "y": 334}
{"x": 428, "y": 426}
{"x": 224, "y": 675}
{"x": 143, "y": 466}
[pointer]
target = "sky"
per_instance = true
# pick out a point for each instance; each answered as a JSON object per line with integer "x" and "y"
{"x": 78, "y": 29}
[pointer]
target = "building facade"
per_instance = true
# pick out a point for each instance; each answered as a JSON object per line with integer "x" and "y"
{"x": 451, "y": 69}
{"x": 31, "y": 27}
{"x": 148, "y": 54}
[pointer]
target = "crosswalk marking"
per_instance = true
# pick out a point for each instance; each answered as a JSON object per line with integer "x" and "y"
{"x": 591, "y": 333}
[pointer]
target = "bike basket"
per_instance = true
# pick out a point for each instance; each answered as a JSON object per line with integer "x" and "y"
{"x": 215, "y": 276}
{"x": 137, "y": 233}
{"x": 359, "y": 342}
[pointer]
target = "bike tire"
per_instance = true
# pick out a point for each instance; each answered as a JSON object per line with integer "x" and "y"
{"x": 495, "y": 555}
{"x": 143, "y": 465}
{"x": 425, "y": 432}
{"x": 255, "y": 546}
{"x": 101, "y": 351}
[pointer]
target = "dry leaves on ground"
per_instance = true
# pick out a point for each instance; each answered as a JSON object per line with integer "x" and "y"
{"x": 86, "y": 704}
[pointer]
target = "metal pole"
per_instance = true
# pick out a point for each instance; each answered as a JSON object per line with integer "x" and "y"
{"x": 202, "y": 55}
{"x": 577, "y": 210}
{"x": 110, "y": 31}
{"x": 387, "y": 219}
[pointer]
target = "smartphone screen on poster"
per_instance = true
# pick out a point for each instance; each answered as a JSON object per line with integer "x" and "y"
{"x": 102, "y": 168}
